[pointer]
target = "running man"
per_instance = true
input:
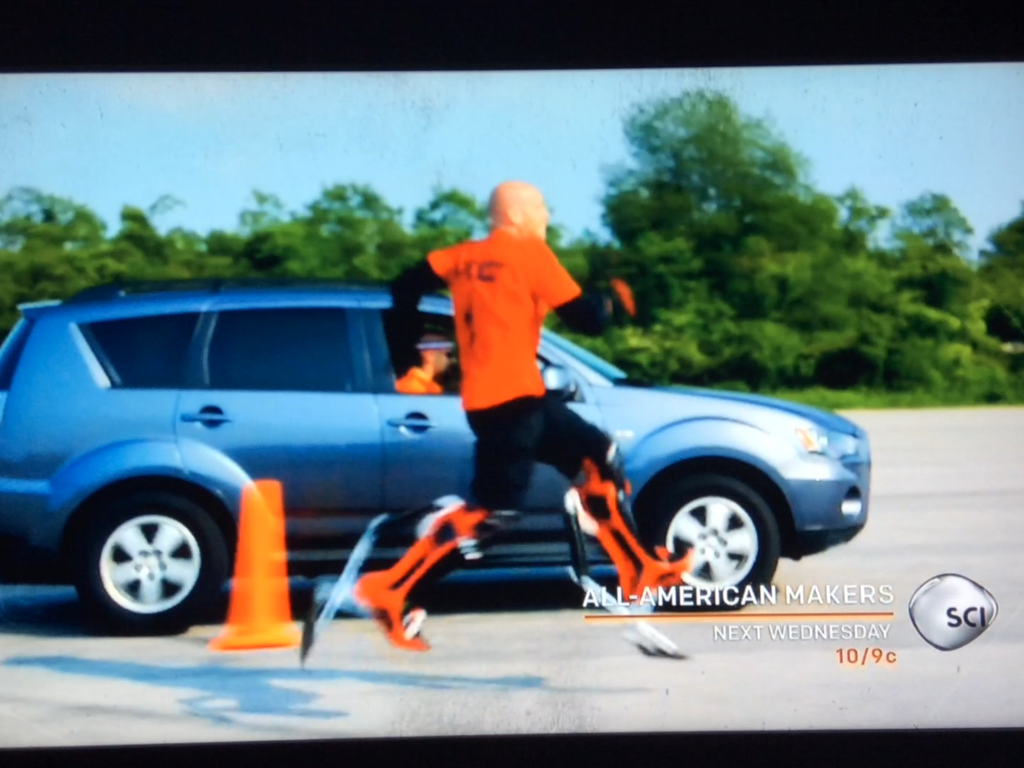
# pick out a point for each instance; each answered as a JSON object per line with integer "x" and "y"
{"x": 502, "y": 288}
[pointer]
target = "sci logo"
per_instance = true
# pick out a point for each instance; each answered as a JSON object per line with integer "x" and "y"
{"x": 951, "y": 611}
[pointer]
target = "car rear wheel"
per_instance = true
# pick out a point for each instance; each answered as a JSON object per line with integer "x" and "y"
{"x": 728, "y": 525}
{"x": 149, "y": 563}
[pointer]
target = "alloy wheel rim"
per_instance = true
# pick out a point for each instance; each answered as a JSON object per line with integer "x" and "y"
{"x": 150, "y": 564}
{"x": 722, "y": 536}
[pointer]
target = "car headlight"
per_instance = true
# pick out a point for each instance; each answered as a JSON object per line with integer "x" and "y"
{"x": 819, "y": 441}
{"x": 813, "y": 440}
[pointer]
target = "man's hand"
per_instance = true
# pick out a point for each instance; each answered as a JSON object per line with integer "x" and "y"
{"x": 624, "y": 294}
{"x": 590, "y": 313}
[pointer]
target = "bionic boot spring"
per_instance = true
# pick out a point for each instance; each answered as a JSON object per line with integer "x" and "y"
{"x": 638, "y": 570}
{"x": 385, "y": 594}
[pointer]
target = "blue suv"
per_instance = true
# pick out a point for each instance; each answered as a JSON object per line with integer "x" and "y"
{"x": 132, "y": 416}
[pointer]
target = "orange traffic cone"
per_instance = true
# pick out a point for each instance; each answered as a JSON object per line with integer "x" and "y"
{"x": 260, "y": 617}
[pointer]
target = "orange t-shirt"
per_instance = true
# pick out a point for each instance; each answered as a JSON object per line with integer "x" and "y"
{"x": 418, "y": 382}
{"x": 502, "y": 289}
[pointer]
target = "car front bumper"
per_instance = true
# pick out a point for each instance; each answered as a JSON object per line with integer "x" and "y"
{"x": 829, "y": 500}
{"x": 814, "y": 542}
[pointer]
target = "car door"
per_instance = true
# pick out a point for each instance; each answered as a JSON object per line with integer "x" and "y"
{"x": 427, "y": 442}
{"x": 279, "y": 393}
{"x": 426, "y": 439}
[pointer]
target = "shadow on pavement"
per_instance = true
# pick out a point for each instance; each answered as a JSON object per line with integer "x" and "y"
{"x": 230, "y": 691}
{"x": 482, "y": 594}
{"x": 43, "y": 611}
{"x": 55, "y": 611}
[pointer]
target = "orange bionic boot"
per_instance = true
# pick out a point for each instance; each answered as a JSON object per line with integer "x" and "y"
{"x": 385, "y": 594}
{"x": 637, "y": 570}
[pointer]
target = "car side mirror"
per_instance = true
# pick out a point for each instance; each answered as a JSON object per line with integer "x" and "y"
{"x": 558, "y": 380}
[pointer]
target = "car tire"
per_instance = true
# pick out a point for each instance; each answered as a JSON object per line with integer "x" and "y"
{"x": 158, "y": 591}
{"x": 683, "y": 513}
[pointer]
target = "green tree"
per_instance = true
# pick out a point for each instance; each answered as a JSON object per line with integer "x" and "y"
{"x": 47, "y": 244}
{"x": 705, "y": 173}
{"x": 450, "y": 217}
{"x": 717, "y": 206}
{"x": 1001, "y": 277}
{"x": 30, "y": 219}
{"x": 935, "y": 220}
{"x": 942, "y": 342}
{"x": 859, "y": 221}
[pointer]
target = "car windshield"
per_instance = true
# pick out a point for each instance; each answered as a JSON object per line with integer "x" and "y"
{"x": 589, "y": 359}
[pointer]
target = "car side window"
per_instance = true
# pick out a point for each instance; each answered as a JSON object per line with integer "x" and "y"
{"x": 143, "y": 352}
{"x": 282, "y": 350}
{"x": 438, "y": 371}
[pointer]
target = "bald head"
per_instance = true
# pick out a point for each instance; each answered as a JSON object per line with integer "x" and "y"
{"x": 518, "y": 207}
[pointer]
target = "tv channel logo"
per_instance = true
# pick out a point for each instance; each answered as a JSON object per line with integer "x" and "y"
{"x": 950, "y": 611}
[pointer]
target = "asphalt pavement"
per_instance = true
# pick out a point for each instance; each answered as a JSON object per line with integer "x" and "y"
{"x": 948, "y": 497}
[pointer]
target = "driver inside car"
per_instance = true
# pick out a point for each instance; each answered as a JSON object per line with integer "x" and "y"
{"x": 435, "y": 358}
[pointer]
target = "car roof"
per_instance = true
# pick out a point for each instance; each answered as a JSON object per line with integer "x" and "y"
{"x": 164, "y": 289}
{"x": 157, "y": 297}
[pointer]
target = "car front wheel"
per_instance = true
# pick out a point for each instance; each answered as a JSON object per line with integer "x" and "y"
{"x": 149, "y": 563}
{"x": 726, "y": 524}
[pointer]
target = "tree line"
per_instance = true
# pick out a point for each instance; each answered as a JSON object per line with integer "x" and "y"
{"x": 746, "y": 276}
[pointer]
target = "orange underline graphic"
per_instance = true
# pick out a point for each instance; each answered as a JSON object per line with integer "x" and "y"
{"x": 719, "y": 618}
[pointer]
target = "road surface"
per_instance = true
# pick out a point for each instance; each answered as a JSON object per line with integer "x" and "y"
{"x": 948, "y": 497}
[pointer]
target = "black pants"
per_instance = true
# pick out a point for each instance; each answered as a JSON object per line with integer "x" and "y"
{"x": 513, "y": 436}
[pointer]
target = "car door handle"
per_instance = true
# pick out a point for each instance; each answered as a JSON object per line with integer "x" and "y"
{"x": 411, "y": 422}
{"x": 205, "y": 418}
{"x": 210, "y": 416}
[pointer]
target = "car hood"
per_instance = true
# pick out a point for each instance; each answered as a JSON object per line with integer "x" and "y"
{"x": 825, "y": 419}
{"x": 640, "y": 409}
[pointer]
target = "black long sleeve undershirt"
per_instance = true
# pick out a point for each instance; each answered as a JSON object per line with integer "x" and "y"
{"x": 585, "y": 314}
{"x": 409, "y": 287}
{"x": 403, "y": 324}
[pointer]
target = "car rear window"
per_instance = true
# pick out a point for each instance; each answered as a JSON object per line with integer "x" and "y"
{"x": 281, "y": 350}
{"x": 10, "y": 352}
{"x": 144, "y": 352}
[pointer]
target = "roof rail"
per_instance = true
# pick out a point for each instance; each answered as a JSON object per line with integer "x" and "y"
{"x": 117, "y": 289}
{"x": 213, "y": 285}
{"x": 29, "y": 306}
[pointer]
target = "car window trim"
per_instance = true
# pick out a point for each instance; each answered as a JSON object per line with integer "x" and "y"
{"x": 381, "y": 373}
{"x": 358, "y": 352}
{"x": 198, "y": 369}
{"x": 366, "y": 352}
{"x": 100, "y": 354}
{"x": 100, "y": 368}
{"x": 12, "y": 349}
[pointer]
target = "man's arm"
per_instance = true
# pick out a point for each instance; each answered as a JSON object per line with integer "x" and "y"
{"x": 403, "y": 323}
{"x": 591, "y": 313}
{"x": 410, "y": 286}
{"x": 588, "y": 313}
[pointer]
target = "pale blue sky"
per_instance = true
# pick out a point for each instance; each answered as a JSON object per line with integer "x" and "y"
{"x": 110, "y": 140}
